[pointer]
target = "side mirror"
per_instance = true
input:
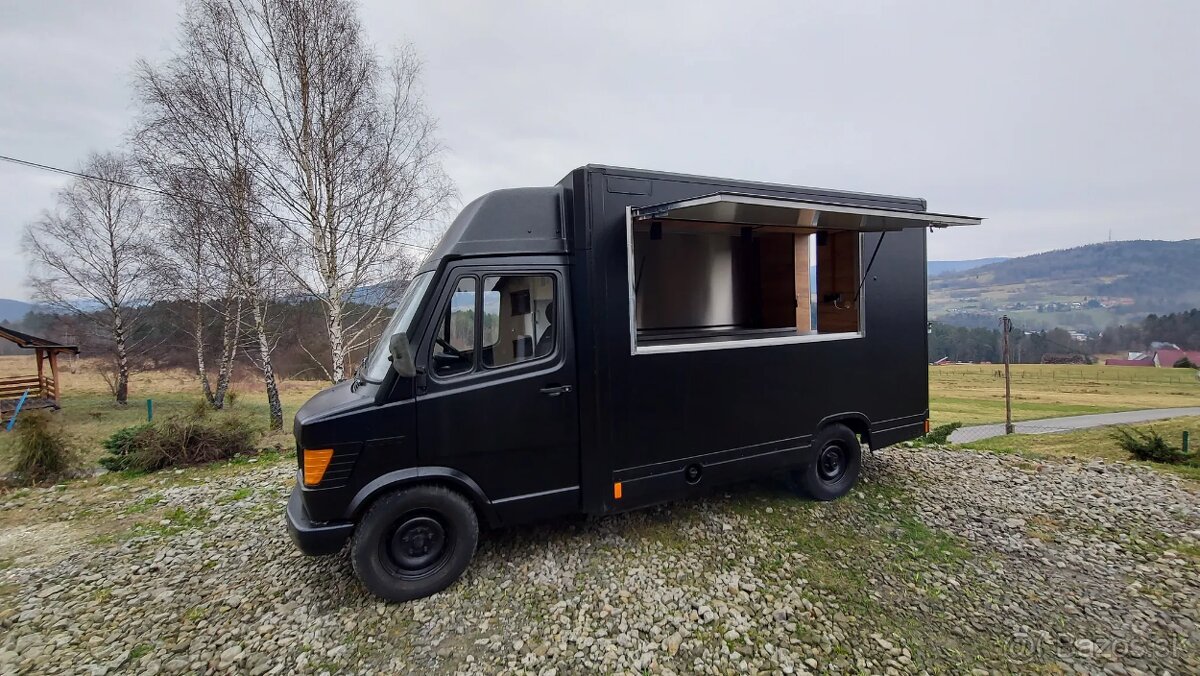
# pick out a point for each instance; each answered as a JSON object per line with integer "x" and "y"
{"x": 402, "y": 359}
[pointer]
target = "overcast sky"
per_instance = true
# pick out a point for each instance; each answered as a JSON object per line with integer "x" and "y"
{"x": 1060, "y": 122}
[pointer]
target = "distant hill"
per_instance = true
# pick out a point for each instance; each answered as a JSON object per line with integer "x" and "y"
{"x": 1084, "y": 288}
{"x": 13, "y": 310}
{"x": 937, "y": 268}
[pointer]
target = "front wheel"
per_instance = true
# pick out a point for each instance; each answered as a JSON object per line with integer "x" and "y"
{"x": 835, "y": 466}
{"x": 414, "y": 542}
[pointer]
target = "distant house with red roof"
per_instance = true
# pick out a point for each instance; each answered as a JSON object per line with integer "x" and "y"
{"x": 1168, "y": 358}
{"x": 1145, "y": 361}
{"x": 1162, "y": 358}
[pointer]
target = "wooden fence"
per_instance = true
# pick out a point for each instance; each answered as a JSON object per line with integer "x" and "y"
{"x": 44, "y": 387}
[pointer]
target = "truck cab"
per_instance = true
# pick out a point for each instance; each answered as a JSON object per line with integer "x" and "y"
{"x": 526, "y": 374}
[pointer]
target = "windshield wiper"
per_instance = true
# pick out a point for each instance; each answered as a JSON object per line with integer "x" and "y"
{"x": 358, "y": 374}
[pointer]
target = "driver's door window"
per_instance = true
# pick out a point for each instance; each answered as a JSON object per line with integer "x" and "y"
{"x": 454, "y": 342}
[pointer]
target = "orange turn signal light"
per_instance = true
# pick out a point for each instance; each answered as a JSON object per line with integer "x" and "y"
{"x": 617, "y": 491}
{"x": 315, "y": 464}
{"x": 927, "y": 426}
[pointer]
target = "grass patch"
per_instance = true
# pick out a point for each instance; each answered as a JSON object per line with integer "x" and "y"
{"x": 919, "y": 542}
{"x": 656, "y": 525}
{"x": 1043, "y": 527}
{"x": 974, "y": 394}
{"x": 1097, "y": 443}
{"x": 141, "y": 650}
{"x": 939, "y": 435}
{"x": 239, "y": 494}
{"x": 264, "y": 455}
{"x": 144, "y": 505}
{"x": 173, "y": 522}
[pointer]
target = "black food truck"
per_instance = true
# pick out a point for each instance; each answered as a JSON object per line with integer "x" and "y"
{"x": 620, "y": 339}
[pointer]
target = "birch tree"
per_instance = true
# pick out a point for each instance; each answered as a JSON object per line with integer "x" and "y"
{"x": 90, "y": 256}
{"x": 191, "y": 273}
{"x": 353, "y": 165}
{"x": 198, "y": 115}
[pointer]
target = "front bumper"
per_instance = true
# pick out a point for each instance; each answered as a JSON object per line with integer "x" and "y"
{"x": 314, "y": 539}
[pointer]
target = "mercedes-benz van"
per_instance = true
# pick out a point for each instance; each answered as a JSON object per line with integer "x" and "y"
{"x": 620, "y": 339}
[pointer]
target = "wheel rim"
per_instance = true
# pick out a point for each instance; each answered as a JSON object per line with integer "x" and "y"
{"x": 419, "y": 545}
{"x": 832, "y": 463}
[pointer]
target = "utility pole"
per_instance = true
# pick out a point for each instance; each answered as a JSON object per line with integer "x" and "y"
{"x": 1006, "y": 327}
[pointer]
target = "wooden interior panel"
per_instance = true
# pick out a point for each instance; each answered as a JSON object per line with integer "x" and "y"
{"x": 801, "y": 263}
{"x": 837, "y": 273}
{"x": 777, "y": 279}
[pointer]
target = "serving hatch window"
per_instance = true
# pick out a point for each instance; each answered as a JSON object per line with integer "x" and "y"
{"x": 736, "y": 270}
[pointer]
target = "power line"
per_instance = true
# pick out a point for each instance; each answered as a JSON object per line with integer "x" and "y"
{"x": 164, "y": 193}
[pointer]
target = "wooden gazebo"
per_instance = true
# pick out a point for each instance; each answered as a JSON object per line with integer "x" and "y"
{"x": 43, "y": 389}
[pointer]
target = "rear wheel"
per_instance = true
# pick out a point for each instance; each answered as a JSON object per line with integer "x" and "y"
{"x": 414, "y": 542}
{"x": 835, "y": 466}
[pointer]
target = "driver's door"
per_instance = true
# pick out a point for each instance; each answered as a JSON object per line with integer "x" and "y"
{"x": 497, "y": 400}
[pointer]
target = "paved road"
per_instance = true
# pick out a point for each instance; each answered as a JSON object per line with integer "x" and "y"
{"x": 1075, "y": 422}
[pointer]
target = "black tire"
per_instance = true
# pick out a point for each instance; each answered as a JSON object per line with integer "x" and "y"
{"x": 414, "y": 542}
{"x": 837, "y": 459}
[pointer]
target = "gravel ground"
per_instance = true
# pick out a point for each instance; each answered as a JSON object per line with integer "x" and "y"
{"x": 942, "y": 561}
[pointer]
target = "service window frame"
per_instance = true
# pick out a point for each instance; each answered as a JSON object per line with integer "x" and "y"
{"x": 666, "y": 347}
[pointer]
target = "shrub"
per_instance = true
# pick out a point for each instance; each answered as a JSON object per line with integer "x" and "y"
{"x": 43, "y": 450}
{"x": 1184, "y": 363}
{"x": 121, "y": 444}
{"x": 1149, "y": 446}
{"x": 178, "y": 441}
{"x": 940, "y": 435}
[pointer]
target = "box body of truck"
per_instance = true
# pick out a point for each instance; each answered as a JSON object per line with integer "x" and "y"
{"x": 625, "y": 338}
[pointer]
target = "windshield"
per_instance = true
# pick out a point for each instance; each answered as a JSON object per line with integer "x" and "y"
{"x": 378, "y": 363}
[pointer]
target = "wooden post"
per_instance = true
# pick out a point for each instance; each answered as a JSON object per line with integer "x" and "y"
{"x": 54, "y": 376}
{"x": 1006, "y": 326}
{"x": 803, "y": 266}
{"x": 39, "y": 354}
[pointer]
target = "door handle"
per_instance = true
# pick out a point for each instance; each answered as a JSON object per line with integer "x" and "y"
{"x": 555, "y": 390}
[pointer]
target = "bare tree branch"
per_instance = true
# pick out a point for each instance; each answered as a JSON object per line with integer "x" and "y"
{"x": 91, "y": 257}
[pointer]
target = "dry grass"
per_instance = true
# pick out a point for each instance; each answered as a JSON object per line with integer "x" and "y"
{"x": 89, "y": 414}
{"x": 974, "y": 394}
{"x": 85, "y": 377}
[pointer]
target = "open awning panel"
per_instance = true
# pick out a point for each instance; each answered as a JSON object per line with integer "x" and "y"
{"x": 755, "y": 210}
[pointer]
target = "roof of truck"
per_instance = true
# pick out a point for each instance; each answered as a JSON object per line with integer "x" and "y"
{"x": 913, "y": 203}
{"x": 512, "y": 220}
{"x": 530, "y": 220}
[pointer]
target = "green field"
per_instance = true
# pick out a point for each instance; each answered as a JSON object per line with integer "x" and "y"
{"x": 1097, "y": 443}
{"x": 974, "y": 394}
